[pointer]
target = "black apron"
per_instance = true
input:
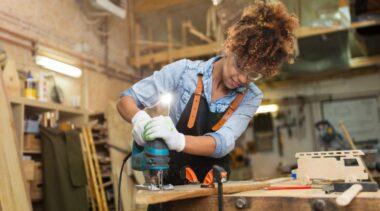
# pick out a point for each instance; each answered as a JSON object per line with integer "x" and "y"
{"x": 205, "y": 120}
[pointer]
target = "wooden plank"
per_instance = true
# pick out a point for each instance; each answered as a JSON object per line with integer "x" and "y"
{"x": 186, "y": 52}
{"x": 148, "y": 6}
{"x": 13, "y": 194}
{"x": 47, "y": 105}
{"x": 11, "y": 79}
{"x": 303, "y": 32}
{"x": 194, "y": 191}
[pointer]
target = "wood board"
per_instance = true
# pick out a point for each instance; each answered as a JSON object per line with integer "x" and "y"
{"x": 194, "y": 191}
{"x": 13, "y": 194}
{"x": 11, "y": 79}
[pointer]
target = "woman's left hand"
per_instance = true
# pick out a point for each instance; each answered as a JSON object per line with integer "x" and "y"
{"x": 163, "y": 127}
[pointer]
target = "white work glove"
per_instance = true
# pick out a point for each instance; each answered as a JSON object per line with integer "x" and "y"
{"x": 163, "y": 127}
{"x": 139, "y": 120}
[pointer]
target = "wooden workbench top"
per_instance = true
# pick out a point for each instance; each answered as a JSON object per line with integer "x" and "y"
{"x": 260, "y": 199}
{"x": 193, "y": 191}
{"x": 304, "y": 193}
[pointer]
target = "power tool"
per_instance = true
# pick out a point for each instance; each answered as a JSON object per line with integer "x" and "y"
{"x": 153, "y": 160}
{"x": 330, "y": 138}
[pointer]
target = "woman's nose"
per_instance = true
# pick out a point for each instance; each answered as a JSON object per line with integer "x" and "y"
{"x": 242, "y": 78}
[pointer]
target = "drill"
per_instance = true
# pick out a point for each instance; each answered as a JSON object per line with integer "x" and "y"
{"x": 153, "y": 160}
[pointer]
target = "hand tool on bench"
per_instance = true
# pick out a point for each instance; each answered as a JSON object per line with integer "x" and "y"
{"x": 188, "y": 175}
{"x": 350, "y": 190}
{"x": 289, "y": 187}
{"x": 216, "y": 175}
{"x": 153, "y": 160}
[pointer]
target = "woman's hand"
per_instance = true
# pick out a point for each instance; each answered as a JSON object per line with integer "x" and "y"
{"x": 163, "y": 127}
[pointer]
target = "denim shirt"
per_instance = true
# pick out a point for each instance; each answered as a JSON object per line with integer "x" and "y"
{"x": 179, "y": 79}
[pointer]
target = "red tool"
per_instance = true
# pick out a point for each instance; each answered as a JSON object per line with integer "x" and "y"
{"x": 188, "y": 174}
{"x": 210, "y": 178}
{"x": 289, "y": 187}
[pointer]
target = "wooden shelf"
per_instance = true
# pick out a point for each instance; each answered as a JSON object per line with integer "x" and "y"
{"x": 32, "y": 152}
{"x": 303, "y": 32}
{"x": 46, "y": 105}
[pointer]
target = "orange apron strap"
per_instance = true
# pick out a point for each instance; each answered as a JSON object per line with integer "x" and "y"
{"x": 234, "y": 105}
{"x": 197, "y": 99}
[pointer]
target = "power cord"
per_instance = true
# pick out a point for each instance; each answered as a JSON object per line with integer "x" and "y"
{"x": 119, "y": 185}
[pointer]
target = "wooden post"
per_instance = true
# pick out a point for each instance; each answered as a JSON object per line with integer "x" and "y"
{"x": 150, "y": 46}
{"x": 169, "y": 24}
{"x": 13, "y": 194}
{"x": 184, "y": 34}
{"x": 137, "y": 46}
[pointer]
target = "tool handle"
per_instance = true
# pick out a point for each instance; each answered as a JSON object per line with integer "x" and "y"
{"x": 289, "y": 187}
{"x": 220, "y": 196}
{"x": 348, "y": 195}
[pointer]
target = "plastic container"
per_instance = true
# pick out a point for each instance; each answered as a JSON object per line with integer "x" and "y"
{"x": 294, "y": 174}
{"x": 42, "y": 88}
{"x": 30, "y": 90}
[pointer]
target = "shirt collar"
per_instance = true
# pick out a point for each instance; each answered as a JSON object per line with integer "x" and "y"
{"x": 207, "y": 70}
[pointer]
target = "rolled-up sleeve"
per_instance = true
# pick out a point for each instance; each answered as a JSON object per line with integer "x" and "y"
{"x": 226, "y": 136}
{"x": 146, "y": 92}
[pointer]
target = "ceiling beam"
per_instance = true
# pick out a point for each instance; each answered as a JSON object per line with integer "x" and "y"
{"x": 185, "y": 52}
{"x": 146, "y": 6}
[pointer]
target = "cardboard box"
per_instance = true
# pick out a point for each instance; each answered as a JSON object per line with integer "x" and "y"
{"x": 28, "y": 169}
{"x": 38, "y": 171}
{"x": 32, "y": 143}
{"x": 36, "y": 190}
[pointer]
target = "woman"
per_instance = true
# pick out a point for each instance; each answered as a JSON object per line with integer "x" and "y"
{"x": 214, "y": 100}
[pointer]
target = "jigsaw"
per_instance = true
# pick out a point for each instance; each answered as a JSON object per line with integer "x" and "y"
{"x": 153, "y": 160}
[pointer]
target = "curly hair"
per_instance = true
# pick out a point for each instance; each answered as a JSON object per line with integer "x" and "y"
{"x": 263, "y": 38}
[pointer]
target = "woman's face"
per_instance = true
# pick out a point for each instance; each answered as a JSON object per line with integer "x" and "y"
{"x": 232, "y": 76}
{"x": 232, "y": 79}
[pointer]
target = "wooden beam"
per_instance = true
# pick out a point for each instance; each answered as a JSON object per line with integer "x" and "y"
{"x": 148, "y": 6}
{"x": 303, "y": 32}
{"x": 366, "y": 61}
{"x": 13, "y": 194}
{"x": 186, "y": 52}
{"x": 197, "y": 33}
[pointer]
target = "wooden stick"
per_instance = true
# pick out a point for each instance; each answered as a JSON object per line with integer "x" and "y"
{"x": 92, "y": 171}
{"x": 349, "y": 139}
{"x": 97, "y": 169}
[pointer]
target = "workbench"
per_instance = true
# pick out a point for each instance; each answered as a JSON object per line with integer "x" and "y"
{"x": 260, "y": 199}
